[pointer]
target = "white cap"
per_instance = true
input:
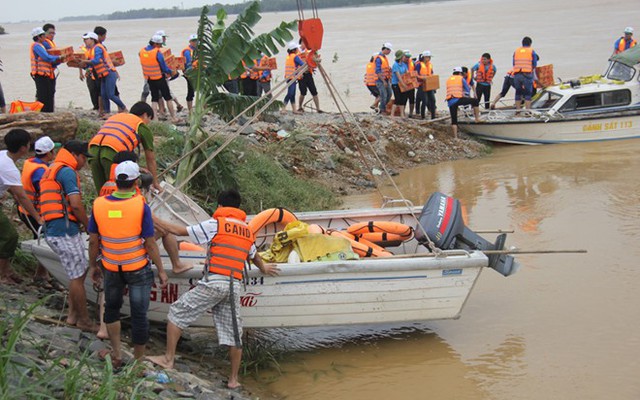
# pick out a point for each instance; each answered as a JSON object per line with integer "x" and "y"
{"x": 407, "y": 52}
{"x": 293, "y": 45}
{"x": 161, "y": 33}
{"x": 90, "y": 35}
{"x": 628, "y": 29}
{"x": 457, "y": 69}
{"x": 127, "y": 171}
{"x": 388, "y": 45}
{"x": 426, "y": 53}
{"x": 44, "y": 145}
{"x": 36, "y": 32}
{"x": 375, "y": 54}
{"x": 193, "y": 37}
{"x": 156, "y": 39}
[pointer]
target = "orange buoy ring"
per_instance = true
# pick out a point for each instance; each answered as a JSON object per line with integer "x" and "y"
{"x": 188, "y": 246}
{"x": 360, "y": 229}
{"x": 271, "y": 216}
{"x": 362, "y": 247}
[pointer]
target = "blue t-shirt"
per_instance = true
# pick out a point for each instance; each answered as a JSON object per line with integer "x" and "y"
{"x": 62, "y": 226}
{"x": 400, "y": 68}
{"x": 36, "y": 176}
{"x": 147, "y": 219}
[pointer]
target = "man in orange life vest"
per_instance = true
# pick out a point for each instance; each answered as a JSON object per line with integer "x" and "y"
{"x": 42, "y": 70}
{"x": 121, "y": 232}
{"x": 457, "y": 86}
{"x": 155, "y": 71}
{"x": 370, "y": 78}
{"x": 231, "y": 244}
{"x": 383, "y": 83}
{"x": 169, "y": 242}
{"x": 525, "y": 61}
{"x": 624, "y": 42}
{"x": 123, "y": 132}
{"x": 485, "y": 70}
{"x": 63, "y": 211}
{"x": 32, "y": 171}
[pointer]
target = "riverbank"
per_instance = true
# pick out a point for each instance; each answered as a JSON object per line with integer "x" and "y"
{"x": 316, "y": 147}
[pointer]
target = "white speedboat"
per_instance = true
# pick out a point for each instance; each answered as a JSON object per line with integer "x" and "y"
{"x": 412, "y": 285}
{"x": 595, "y": 108}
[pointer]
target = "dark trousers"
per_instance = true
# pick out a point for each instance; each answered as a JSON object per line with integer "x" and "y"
{"x": 484, "y": 90}
{"x": 231, "y": 86}
{"x": 453, "y": 110}
{"x": 426, "y": 101}
{"x": 249, "y": 87}
{"x": 45, "y": 91}
{"x": 94, "y": 91}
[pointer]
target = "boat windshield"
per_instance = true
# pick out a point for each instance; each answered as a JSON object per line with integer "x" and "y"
{"x": 621, "y": 72}
{"x": 545, "y": 100}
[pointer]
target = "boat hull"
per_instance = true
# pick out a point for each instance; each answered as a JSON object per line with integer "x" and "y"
{"x": 379, "y": 290}
{"x": 572, "y": 129}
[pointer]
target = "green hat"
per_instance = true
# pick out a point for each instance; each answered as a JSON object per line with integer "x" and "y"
{"x": 399, "y": 54}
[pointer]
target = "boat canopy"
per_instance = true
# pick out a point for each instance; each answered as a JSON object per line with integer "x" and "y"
{"x": 629, "y": 57}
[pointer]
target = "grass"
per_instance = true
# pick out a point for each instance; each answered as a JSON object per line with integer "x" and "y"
{"x": 28, "y": 372}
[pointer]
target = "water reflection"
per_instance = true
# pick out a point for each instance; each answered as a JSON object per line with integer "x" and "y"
{"x": 373, "y": 362}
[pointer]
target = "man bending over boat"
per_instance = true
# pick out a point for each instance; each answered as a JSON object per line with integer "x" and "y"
{"x": 457, "y": 86}
{"x": 231, "y": 244}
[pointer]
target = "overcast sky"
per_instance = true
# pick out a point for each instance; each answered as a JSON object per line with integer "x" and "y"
{"x": 16, "y": 11}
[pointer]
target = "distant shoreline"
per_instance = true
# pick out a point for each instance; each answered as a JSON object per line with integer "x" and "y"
{"x": 270, "y": 6}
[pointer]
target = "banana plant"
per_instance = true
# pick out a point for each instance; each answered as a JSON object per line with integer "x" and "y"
{"x": 220, "y": 54}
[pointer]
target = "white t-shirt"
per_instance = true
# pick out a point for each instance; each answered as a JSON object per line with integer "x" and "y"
{"x": 203, "y": 232}
{"x": 9, "y": 173}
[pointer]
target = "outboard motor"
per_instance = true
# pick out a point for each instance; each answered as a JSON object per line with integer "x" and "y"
{"x": 441, "y": 218}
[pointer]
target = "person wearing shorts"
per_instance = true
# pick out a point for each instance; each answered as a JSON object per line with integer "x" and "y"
{"x": 155, "y": 71}
{"x": 121, "y": 234}
{"x": 219, "y": 289}
{"x": 62, "y": 209}
{"x": 400, "y": 68}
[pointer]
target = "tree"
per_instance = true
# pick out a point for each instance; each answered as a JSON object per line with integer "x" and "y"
{"x": 220, "y": 53}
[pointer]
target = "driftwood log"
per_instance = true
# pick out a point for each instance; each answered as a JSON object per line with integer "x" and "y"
{"x": 59, "y": 126}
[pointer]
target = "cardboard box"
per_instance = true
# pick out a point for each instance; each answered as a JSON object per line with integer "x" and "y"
{"x": 271, "y": 63}
{"x": 64, "y": 52}
{"x": 74, "y": 63}
{"x": 179, "y": 63}
{"x": 545, "y": 75}
{"x": 166, "y": 52}
{"x": 117, "y": 58}
{"x": 431, "y": 83}
{"x": 408, "y": 81}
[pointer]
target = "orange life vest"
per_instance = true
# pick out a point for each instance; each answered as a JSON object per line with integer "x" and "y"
{"x": 229, "y": 249}
{"x": 51, "y": 43}
{"x": 28, "y": 168}
{"x": 370, "y": 76}
{"x": 245, "y": 74}
{"x": 485, "y": 73}
{"x": 263, "y": 78}
{"x": 426, "y": 69}
{"x": 411, "y": 66}
{"x": 18, "y": 106}
{"x": 523, "y": 60}
{"x": 622, "y": 44}
{"x": 386, "y": 69}
{"x": 150, "y": 65}
{"x": 455, "y": 88}
{"x": 194, "y": 63}
{"x": 120, "y": 228}
{"x": 255, "y": 74}
{"x": 38, "y": 65}
{"x": 469, "y": 78}
{"x": 119, "y": 132}
{"x": 290, "y": 66}
{"x": 105, "y": 65}
{"x": 52, "y": 203}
